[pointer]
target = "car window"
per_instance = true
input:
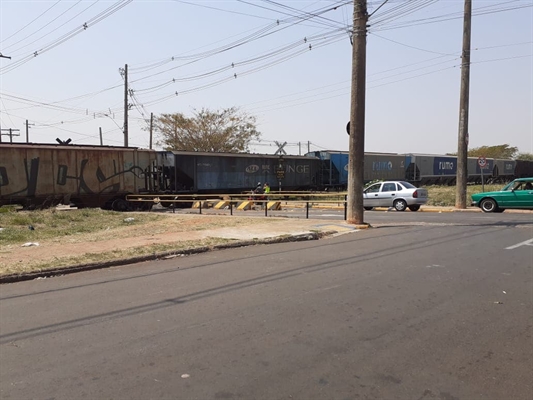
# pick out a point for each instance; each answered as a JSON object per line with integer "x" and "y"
{"x": 507, "y": 187}
{"x": 527, "y": 186}
{"x": 407, "y": 185}
{"x": 373, "y": 188}
{"x": 389, "y": 187}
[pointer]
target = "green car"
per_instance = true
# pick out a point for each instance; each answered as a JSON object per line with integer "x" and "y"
{"x": 518, "y": 194}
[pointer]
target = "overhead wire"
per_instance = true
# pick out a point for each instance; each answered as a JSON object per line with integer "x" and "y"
{"x": 269, "y": 64}
{"x": 409, "y": 46}
{"x": 281, "y": 106}
{"x": 93, "y": 21}
{"x": 330, "y": 22}
{"x": 446, "y": 17}
{"x": 223, "y": 10}
{"x": 306, "y": 41}
{"x": 50, "y": 22}
{"x": 259, "y": 34}
{"x": 260, "y": 67}
{"x": 31, "y": 22}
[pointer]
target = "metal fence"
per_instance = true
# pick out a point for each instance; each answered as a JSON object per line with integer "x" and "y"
{"x": 245, "y": 201}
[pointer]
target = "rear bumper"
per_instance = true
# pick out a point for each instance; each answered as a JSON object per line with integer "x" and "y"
{"x": 417, "y": 202}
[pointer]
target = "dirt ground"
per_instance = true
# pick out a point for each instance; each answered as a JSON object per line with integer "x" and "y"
{"x": 183, "y": 230}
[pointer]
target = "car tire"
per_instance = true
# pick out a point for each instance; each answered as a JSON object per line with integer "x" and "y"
{"x": 400, "y": 205}
{"x": 488, "y": 205}
{"x": 414, "y": 208}
{"x": 368, "y": 208}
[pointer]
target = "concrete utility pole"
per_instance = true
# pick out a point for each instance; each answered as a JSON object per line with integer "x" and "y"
{"x": 357, "y": 115}
{"x": 126, "y": 105}
{"x": 462, "y": 145}
{"x": 101, "y": 138}
{"x": 151, "y": 128}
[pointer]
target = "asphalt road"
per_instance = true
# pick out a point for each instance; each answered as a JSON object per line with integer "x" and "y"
{"x": 437, "y": 308}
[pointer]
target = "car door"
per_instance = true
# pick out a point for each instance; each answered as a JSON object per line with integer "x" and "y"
{"x": 387, "y": 194}
{"x": 524, "y": 195}
{"x": 371, "y": 194}
{"x": 517, "y": 196}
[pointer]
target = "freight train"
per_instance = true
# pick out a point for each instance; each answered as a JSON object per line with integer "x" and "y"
{"x": 42, "y": 175}
{"x": 419, "y": 169}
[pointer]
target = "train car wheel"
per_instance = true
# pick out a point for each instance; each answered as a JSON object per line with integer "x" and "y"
{"x": 120, "y": 205}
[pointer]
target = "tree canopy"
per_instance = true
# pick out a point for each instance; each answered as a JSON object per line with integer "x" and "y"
{"x": 525, "y": 156}
{"x": 227, "y": 130}
{"x": 500, "y": 151}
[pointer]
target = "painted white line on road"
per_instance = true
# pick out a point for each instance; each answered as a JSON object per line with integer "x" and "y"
{"x": 526, "y": 243}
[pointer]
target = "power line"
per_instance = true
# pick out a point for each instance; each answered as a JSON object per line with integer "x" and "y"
{"x": 223, "y": 10}
{"x": 258, "y": 34}
{"x": 411, "y": 47}
{"x": 31, "y": 22}
{"x": 443, "y": 18}
{"x": 41, "y": 28}
{"x": 93, "y": 21}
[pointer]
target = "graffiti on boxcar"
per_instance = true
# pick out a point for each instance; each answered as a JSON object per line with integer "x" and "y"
{"x": 63, "y": 177}
{"x": 3, "y": 177}
{"x": 84, "y": 180}
{"x": 31, "y": 177}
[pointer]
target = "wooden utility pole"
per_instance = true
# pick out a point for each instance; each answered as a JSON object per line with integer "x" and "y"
{"x": 462, "y": 145}
{"x": 357, "y": 115}
{"x": 151, "y": 128}
{"x": 126, "y": 106}
{"x": 28, "y": 131}
{"x": 10, "y": 133}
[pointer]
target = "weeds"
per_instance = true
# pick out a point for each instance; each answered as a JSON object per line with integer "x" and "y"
{"x": 48, "y": 224}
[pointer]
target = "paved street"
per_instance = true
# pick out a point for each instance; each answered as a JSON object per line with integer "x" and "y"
{"x": 425, "y": 306}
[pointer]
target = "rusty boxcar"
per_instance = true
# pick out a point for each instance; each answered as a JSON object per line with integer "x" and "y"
{"x": 86, "y": 176}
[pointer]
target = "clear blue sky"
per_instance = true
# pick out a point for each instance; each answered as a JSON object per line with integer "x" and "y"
{"x": 299, "y": 95}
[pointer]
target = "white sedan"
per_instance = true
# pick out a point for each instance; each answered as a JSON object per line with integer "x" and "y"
{"x": 400, "y": 195}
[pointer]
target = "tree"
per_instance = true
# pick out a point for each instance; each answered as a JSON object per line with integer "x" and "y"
{"x": 525, "y": 156}
{"x": 501, "y": 151}
{"x": 227, "y": 130}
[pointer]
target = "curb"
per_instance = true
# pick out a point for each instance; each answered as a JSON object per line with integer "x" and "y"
{"x": 13, "y": 278}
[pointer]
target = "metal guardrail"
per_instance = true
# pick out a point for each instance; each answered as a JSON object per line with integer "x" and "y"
{"x": 295, "y": 198}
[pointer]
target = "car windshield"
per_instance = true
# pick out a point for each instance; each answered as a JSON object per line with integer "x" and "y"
{"x": 407, "y": 185}
{"x": 513, "y": 185}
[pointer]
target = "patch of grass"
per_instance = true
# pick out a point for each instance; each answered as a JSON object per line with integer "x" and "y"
{"x": 445, "y": 195}
{"x": 120, "y": 254}
{"x": 49, "y": 224}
